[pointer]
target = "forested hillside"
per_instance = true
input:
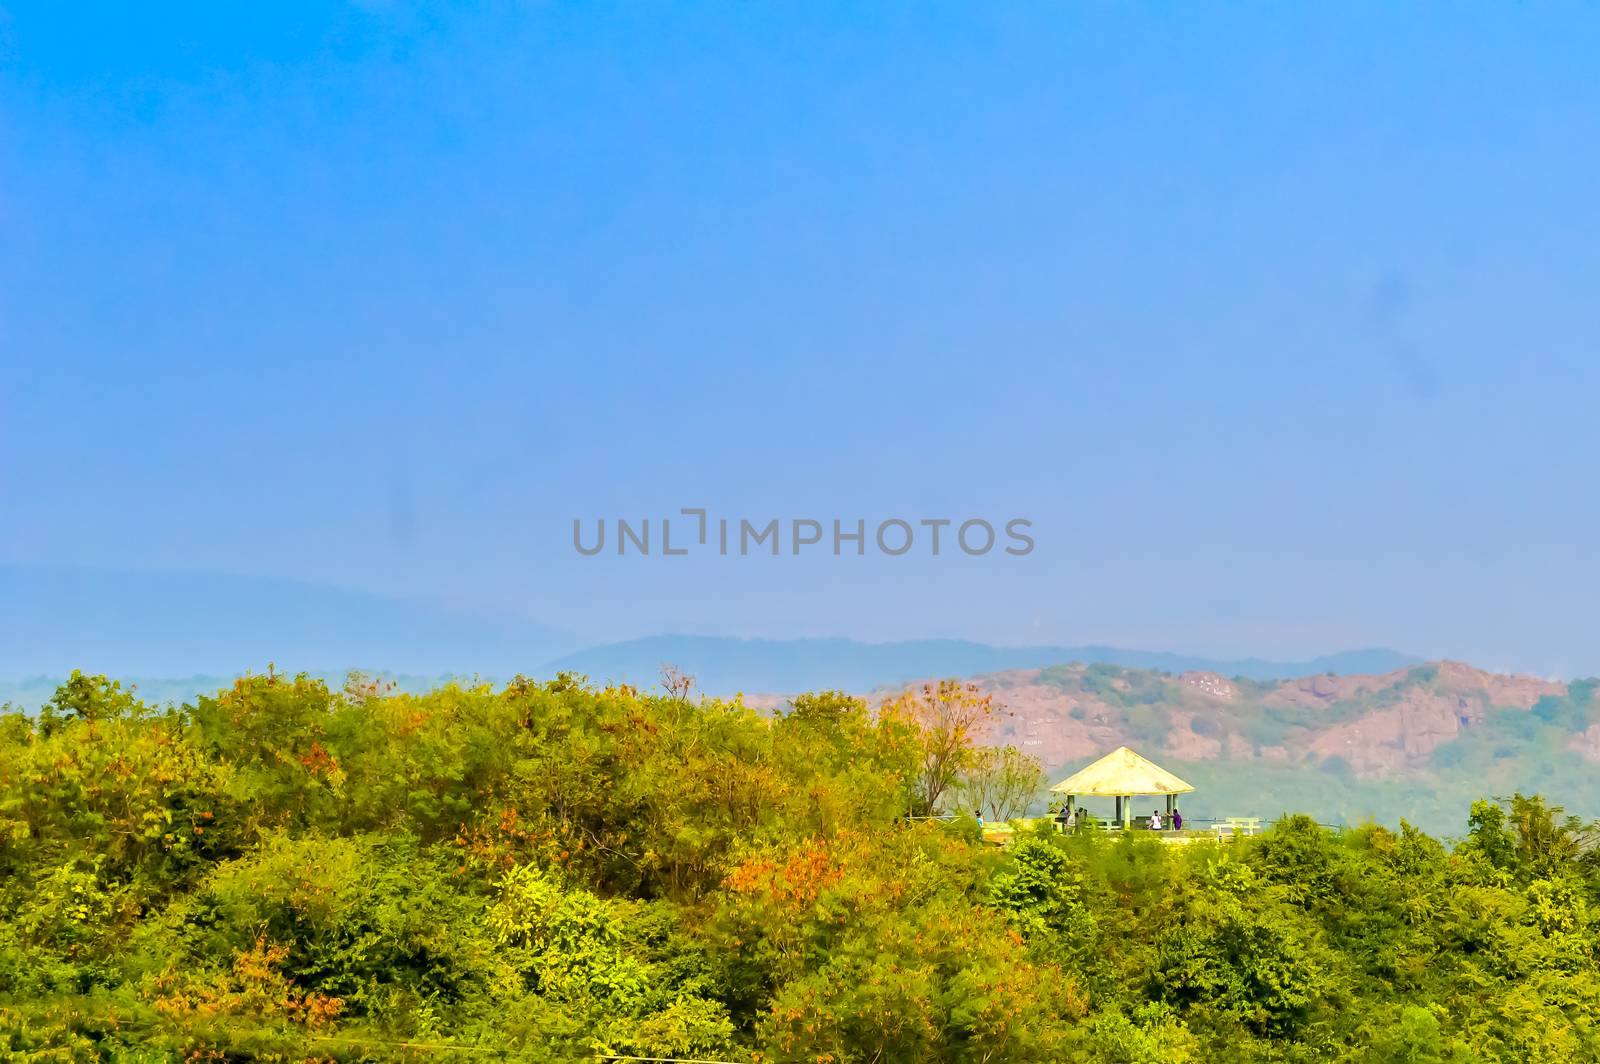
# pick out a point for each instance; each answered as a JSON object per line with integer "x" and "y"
{"x": 547, "y": 871}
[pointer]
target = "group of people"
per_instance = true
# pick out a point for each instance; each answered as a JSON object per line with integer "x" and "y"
{"x": 1069, "y": 818}
{"x": 1177, "y": 820}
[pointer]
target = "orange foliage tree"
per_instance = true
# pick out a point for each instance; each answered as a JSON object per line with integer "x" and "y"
{"x": 947, "y": 717}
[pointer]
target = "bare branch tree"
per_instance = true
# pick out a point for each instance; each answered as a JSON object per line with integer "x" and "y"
{"x": 1000, "y": 780}
{"x": 676, "y": 682}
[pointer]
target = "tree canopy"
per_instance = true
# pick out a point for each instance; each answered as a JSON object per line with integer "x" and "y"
{"x": 551, "y": 871}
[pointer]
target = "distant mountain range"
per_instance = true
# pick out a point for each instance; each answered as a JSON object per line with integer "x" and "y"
{"x": 725, "y": 666}
{"x": 180, "y": 633}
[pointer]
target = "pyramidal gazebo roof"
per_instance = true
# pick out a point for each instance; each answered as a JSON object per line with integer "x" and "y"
{"x": 1122, "y": 772}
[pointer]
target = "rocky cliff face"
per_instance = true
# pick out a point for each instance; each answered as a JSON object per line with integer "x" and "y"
{"x": 1372, "y": 726}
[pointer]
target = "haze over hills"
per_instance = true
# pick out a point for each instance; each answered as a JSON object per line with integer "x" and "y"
{"x": 159, "y": 624}
{"x": 725, "y": 666}
{"x": 179, "y": 633}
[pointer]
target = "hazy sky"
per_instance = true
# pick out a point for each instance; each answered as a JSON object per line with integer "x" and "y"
{"x": 1279, "y": 322}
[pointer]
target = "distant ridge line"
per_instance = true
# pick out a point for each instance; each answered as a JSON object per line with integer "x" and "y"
{"x": 725, "y": 664}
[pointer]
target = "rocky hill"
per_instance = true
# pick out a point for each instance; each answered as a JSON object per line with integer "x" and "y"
{"x": 1375, "y": 725}
{"x": 1416, "y": 742}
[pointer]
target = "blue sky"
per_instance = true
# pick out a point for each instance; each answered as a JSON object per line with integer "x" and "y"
{"x": 1278, "y": 322}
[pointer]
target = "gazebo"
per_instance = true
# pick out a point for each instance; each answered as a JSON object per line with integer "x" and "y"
{"x": 1122, "y": 774}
